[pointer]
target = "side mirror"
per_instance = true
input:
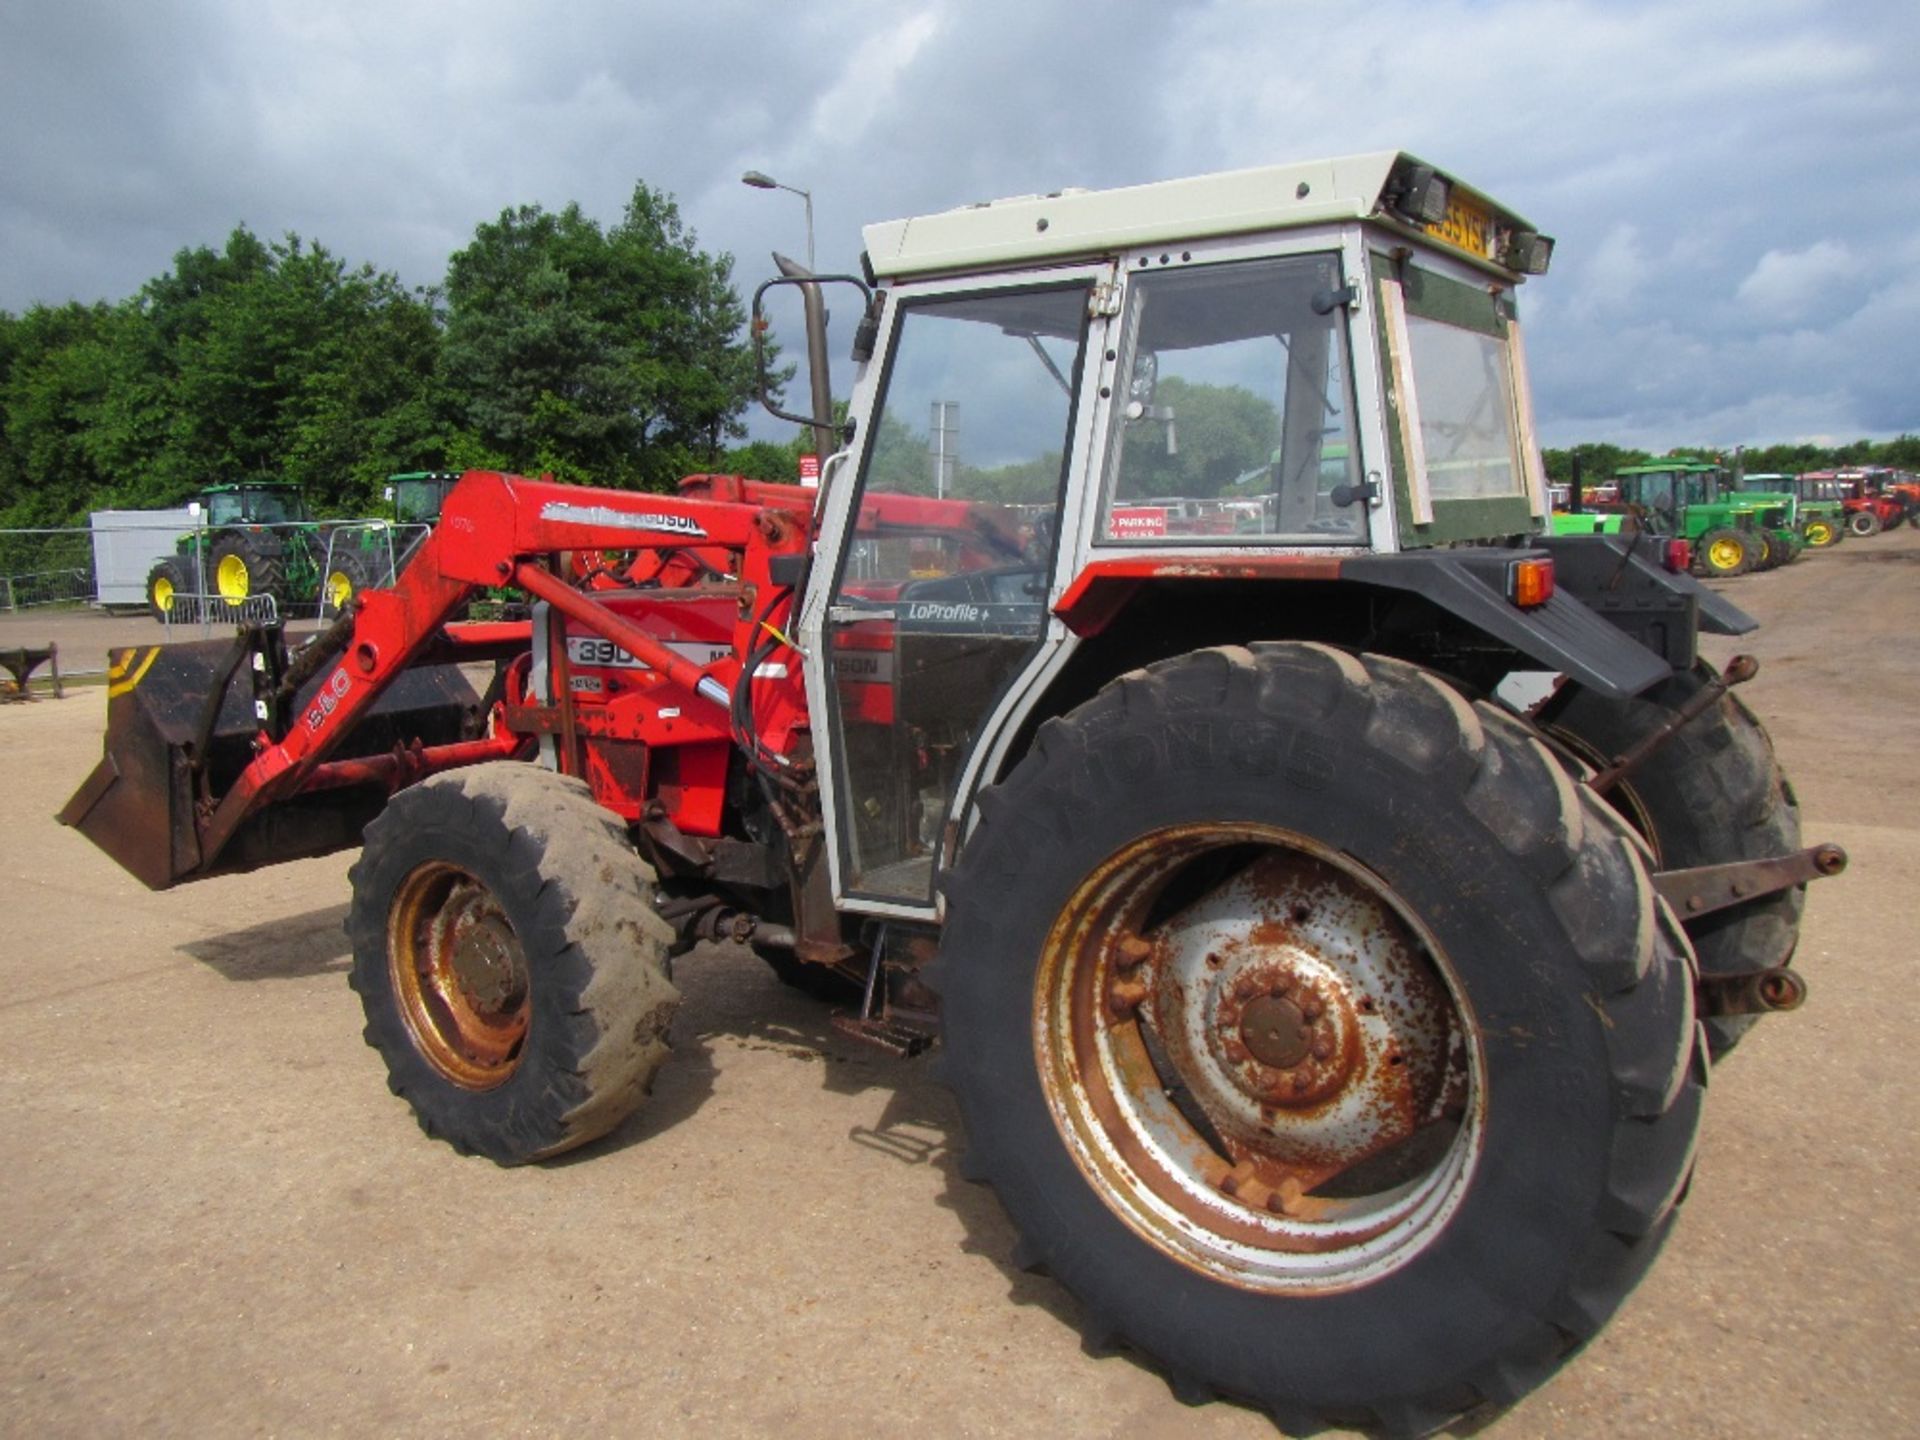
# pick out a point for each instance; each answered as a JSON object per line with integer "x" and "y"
{"x": 387, "y": 493}
{"x": 193, "y": 509}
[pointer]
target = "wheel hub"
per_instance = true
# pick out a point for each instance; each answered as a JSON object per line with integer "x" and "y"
{"x": 1279, "y": 1040}
{"x": 460, "y": 975}
{"x": 1255, "y": 1048}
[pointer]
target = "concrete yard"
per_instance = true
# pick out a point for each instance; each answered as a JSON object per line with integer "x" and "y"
{"x": 218, "y": 1222}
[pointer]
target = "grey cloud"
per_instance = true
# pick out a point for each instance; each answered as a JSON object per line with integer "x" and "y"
{"x": 1709, "y": 170}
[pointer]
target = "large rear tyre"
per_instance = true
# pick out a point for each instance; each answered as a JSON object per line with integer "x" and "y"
{"x": 241, "y": 565}
{"x": 1320, "y": 1035}
{"x": 1712, "y": 795}
{"x": 167, "y": 586}
{"x": 509, "y": 960}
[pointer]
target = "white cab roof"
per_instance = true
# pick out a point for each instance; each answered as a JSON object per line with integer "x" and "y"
{"x": 1101, "y": 222}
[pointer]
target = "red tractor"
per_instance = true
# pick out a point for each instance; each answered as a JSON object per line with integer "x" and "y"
{"x": 1338, "y": 1034}
{"x": 1874, "y": 498}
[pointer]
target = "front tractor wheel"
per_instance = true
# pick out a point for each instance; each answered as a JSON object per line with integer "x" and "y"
{"x": 167, "y": 582}
{"x": 509, "y": 960}
{"x": 345, "y": 578}
{"x": 1320, "y": 1035}
{"x": 1724, "y": 553}
{"x": 1820, "y": 532}
{"x": 1864, "y": 523}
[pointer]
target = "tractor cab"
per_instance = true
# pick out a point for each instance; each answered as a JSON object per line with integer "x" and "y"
{"x": 417, "y": 495}
{"x": 1288, "y": 367}
{"x": 254, "y": 502}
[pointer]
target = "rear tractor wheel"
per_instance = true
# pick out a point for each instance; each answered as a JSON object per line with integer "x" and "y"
{"x": 1263, "y": 1088}
{"x": 510, "y": 962}
{"x": 1864, "y": 523}
{"x": 1712, "y": 795}
{"x": 240, "y": 566}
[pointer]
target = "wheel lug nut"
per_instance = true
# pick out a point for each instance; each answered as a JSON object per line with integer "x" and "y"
{"x": 1133, "y": 951}
{"x": 1124, "y": 997}
{"x": 1323, "y": 1048}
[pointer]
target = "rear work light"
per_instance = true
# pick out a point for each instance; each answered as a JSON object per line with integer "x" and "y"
{"x": 1679, "y": 556}
{"x": 1530, "y": 582}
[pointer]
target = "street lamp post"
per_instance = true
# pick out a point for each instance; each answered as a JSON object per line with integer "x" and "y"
{"x": 766, "y": 182}
{"x": 823, "y": 436}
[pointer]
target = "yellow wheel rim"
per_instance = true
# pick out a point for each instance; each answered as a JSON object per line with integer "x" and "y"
{"x": 339, "y": 589}
{"x": 1818, "y": 533}
{"x": 1723, "y": 554}
{"x": 163, "y": 593}
{"x": 231, "y": 578}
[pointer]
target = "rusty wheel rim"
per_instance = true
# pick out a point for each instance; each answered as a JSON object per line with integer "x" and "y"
{"x": 1259, "y": 1057}
{"x": 459, "y": 976}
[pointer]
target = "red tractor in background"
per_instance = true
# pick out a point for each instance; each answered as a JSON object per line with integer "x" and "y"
{"x": 1337, "y": 1033}
{"x": 1874, "y": 498}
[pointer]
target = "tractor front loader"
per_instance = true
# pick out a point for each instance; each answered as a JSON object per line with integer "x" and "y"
{"x": 1119, "y": 715}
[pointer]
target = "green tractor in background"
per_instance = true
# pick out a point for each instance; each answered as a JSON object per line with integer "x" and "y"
{"x": 1682, "y": 500}
{"x": 257, "y": 537}
{"x": 1814, "y": 504}
{"x": 1730, "y": 533}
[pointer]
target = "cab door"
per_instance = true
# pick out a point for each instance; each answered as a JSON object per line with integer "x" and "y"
{"x": 943, "y": 552}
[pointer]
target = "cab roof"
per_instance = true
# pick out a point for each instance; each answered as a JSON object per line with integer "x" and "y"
{"x": 1068, "y": 223}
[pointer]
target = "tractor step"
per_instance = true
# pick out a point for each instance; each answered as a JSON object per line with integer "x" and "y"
{"x": 891, "y": 1036}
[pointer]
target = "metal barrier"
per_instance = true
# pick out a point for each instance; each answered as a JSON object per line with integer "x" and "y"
{"x": 206, "y": 611}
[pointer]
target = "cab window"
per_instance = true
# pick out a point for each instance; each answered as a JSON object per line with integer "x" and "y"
{"x": 1235, "y": 420}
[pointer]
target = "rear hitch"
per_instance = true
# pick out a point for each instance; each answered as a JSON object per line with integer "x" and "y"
{"x": 1757, "y": 992}
{"x": 1740, "y": 669}
{"x": 1707, "y": 888}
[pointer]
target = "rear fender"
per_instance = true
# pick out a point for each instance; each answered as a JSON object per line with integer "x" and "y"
{"x": 1564, "y": 634}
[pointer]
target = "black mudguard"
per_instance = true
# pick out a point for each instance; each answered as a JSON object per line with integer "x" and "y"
{"x": 1622, "y": 578}
{"x": 1564, "y": 634}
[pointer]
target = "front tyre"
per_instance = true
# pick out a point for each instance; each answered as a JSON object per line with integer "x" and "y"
{"x": 510, "y": 962}
{"x": 1320, "y": 1035}
{"x": 1724, "y": 552}
{"x": 1864, "y": 523}
{"x": 167, "y": 583}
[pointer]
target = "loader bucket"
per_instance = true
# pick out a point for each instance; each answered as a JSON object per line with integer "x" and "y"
{"x": 139, "y": 804}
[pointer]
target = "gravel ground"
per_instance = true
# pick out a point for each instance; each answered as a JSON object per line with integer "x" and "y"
{"x": 218, "y": 1222}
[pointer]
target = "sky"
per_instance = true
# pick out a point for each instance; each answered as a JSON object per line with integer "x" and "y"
{"x": 1732, "y": 185}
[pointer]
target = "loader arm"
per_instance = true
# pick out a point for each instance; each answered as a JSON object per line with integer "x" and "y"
{"x": 495, "y": 530}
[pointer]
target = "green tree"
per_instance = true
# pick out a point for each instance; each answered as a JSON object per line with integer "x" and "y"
{"x": 273, "y": 360}
{"x": 615, "y": 357}
{"x": 55, "y": 374}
